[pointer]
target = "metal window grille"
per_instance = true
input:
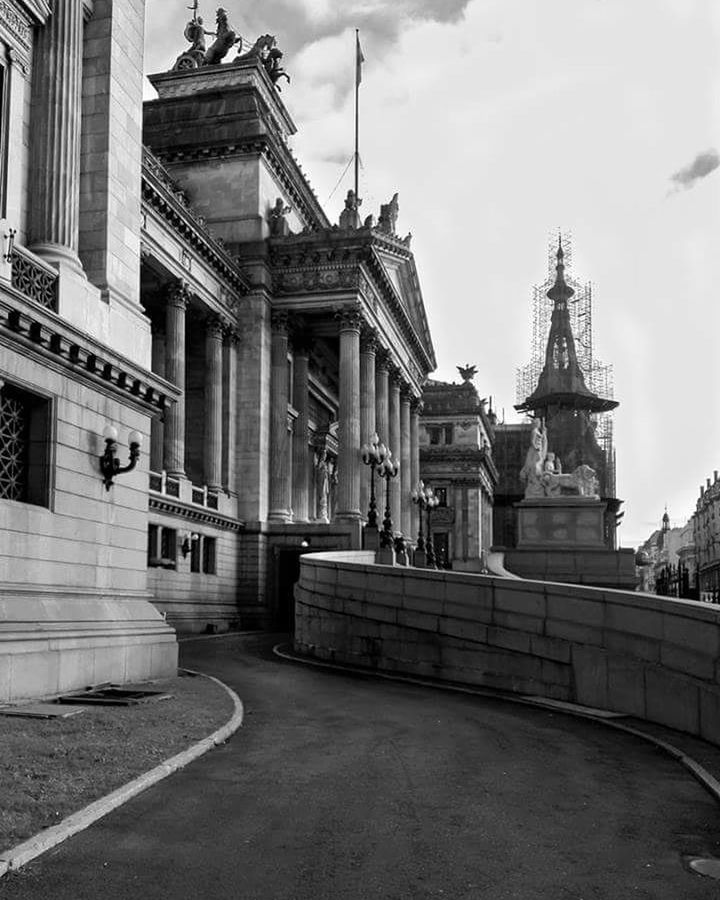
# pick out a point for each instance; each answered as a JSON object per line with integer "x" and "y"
{"x": 14, "y": 446}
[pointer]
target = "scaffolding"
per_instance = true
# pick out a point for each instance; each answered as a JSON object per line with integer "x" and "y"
{"x": 598, "y": 377}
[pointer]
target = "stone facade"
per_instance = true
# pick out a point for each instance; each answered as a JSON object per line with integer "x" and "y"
{"x": 456, "y": 439}
{"x": 145, "y": 284}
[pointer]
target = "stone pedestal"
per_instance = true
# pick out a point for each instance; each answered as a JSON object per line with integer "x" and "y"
{"x": 371, "y": 538}
{"x": 561, "y": 523}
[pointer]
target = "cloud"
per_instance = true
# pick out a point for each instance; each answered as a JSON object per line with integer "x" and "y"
{"x": 700, "y": 167}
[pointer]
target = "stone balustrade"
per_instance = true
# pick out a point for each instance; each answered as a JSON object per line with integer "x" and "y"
{"x": 655, "y": 658}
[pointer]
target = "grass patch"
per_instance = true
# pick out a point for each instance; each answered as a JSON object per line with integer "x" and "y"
{"x": 52, "y": 768}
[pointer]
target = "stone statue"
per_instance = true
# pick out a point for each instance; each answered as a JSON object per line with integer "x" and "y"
{"x": 349, "y": 217}
{"x": 225, "y": 37}
{"x": 542, "y": 472}
{"x": 278, "y": 223}
{"x": 322, "y": 487}
{"x": 265, "y": 48}
{"x": 467, "y": 372}
{"x": 195, "y": 34}
{"x": 389, "y": 215}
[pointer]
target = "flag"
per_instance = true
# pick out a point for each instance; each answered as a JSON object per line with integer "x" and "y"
{"x": 359, "y": 58}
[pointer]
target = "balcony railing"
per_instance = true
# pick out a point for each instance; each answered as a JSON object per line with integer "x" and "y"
{"x": 164, "y": 484}
{"x": 35, "y": 279}
{"x": 203, "y": 497}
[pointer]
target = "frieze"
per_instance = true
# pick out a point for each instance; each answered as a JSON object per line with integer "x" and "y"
{"x": 443, "y": 515}
{"x": 15, "y": 22}
{"x": 316, "y": 280}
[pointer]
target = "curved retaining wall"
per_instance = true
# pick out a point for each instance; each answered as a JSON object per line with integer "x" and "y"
{"x": 646, "y": 656}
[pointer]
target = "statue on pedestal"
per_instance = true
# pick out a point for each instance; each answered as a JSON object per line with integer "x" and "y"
{"x": 349, "y": 217}
{"x": 542, "y": 472}
{"x": 225, "y": 37}
{"x": 278, "y": 223}
{"x": 322, "y": 487}
{"x": 389, "y": 215}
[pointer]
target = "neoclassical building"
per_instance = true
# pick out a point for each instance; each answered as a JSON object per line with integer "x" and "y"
{"x": 169, "y": 284}
{"x": 456, "y": 443}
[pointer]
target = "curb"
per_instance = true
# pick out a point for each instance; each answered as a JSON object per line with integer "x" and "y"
{"x": 701, "y": 774}
{"x": 18, "y": 856}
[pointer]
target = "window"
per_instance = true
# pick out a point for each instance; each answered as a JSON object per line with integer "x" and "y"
{"x": 162, "y": 547}
{"x": 441, "y": 494}
{"x": 24, "y": 446}
{"x": 209, "y": 552}
{"x": 195, "y": 553}
{"x": 448, "y": 434}
{"x": 434, "y": 434}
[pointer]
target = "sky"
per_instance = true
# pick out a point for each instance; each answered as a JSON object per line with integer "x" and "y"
{"x": 500, "y": 122}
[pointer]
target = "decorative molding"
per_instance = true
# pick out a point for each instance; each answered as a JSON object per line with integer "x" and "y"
{"x": 369, "y": 340}
{"x": 178, "y": 294}
{"x": 161, "y": 504}
{"x": 350, "y": 319}
{"x": 37, "y": 10}
{"x": 38, "y": 332}
{"x": 280, "y": 322}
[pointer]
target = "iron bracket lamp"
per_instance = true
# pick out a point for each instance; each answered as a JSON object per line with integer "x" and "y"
{"x": 109, "y": 463}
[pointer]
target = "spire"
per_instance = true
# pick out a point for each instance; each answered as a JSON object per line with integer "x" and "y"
{"x": 666, "y": 520}
{"x": 561, "y": 381}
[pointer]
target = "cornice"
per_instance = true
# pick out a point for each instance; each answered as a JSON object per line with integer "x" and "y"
{"x": 444, "y": 453}
{"x": 160, "y": 503}
{"x": 162, "y": 195}
{"x": 37, "y": 10}
{"x": 38, "y": 332}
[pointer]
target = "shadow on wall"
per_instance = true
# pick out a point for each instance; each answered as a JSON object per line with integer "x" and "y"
{"x": 651, "y": 657}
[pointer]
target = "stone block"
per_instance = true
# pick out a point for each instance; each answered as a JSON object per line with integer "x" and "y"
{"x": 687, "y": 662}
{"x": 633, "y": 620}
{"x": 76, "y": 669}
{"x": 555, "y": 673}
{"x": 569, "y": 608}
{"x": 710, "y": 714}
{"x": 626, "y": 685}
{"x": 459, "y": 628}
{"x": 421, "y": 604}
{"x": 573, "y": 632}
{"x": 550, "y": 648}
{"x": 672, "y": 700}
{"x": 527, "y": 602}
{"x": 508, "y": 639}
{"x": 475, "y": 611}
{"x": 633, "y": 645}
{"x": 693, "y": 633}
{"x": 34, "y": 675}
{"x": 379, "y": 611}
{"x": 421, "y": 621}
{"x": 589, "y": 669}
{"x": 515, "y": 621}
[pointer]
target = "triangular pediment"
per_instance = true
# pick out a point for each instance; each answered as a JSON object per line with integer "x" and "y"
{"x": 402, "y": 275}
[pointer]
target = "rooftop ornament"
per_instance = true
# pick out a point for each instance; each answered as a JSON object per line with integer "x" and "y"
{"x": 467, "y": 373}
{"x": 198, "y": 55}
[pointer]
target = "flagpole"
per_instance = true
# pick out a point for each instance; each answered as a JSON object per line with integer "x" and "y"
{"x": 357, "y": 112}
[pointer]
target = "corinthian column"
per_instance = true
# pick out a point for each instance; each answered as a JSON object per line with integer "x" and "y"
{"x": 415, "y": 410}
{"x": 382, "y": 421}
{"x": 301, "y": 437}
{"x": 368, "y": 348}
{"x": 348, "y": 503}
{"x": 395, "y": 446}
{"x": 213, "y": 402}
{"x": 280, "y": 480}
{"x": 230, "y": 353}
{"x": 55, "y": 135}
{"x": 406, "y": 485}
{"x": 176, "y": 307}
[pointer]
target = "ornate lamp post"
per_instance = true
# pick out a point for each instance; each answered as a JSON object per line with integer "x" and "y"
{"x": 419, "y": 497}
{"x": 389, "y": 469}
{"x": 373, "y": 455}
{"x": 431, "y": 501}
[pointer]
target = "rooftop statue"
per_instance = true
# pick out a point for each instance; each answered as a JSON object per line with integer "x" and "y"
{"x": 542, "y": 472}
{"x": 349, "y": 217}
{"x": 278, "y": 223}
{"x": 467, "y": 372}
{"x": 389, "y": 215}
{"x": 195, "y": 33}
{"x": 266, "y": 49}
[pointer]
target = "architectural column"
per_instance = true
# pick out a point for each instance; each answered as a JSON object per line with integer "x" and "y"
{"x": 382, "y": 359}
{"x": 406, "y": 482}
{"x": 415, "y": 410}
{"x": 395, "y": 446}
{"x": 175, "y": 310}
{"x": 55, "y": 135}
{"x": 301, "y": 435}
{"x": 348, "y": 494}
{"x": 157, "y": 426}
{"x": 213, "y": 403}
{"x": 368, "y": 349}
{"x": 229, "y": 419}
{"x": 280, "y": 475}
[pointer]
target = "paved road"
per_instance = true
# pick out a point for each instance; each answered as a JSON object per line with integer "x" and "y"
{"x": 341, "y": 788}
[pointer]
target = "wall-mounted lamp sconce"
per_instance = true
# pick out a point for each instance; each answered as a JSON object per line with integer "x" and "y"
{"x": 186, "y": 545}
{"x": 109, "y": 463}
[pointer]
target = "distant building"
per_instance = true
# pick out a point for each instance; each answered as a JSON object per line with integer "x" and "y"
{"x": 456, "y": 436}
{"x": 666, "y": 563}
{"x": 706, "y": 524}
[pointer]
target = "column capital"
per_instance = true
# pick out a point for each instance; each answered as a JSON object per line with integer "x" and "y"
{"x": 177, "y": 294}
{"x": 350, "y": 319}
{"x": 417, "y": 406}
{"x": 280, "y": 322}
{"x": 395, "y": 373}
{"x": 215, "y": 326}
{"x": 231, "y": 335}
{"x": 369, "y": 342}
{"x": 406, "y": 395}
{"x": 383, "y": 359}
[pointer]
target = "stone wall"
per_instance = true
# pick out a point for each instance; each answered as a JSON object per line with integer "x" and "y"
{"x": 651, "y": 657}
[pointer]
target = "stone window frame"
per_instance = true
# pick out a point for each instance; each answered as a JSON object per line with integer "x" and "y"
{"x": 162, "y": 546}
{"x": 203, "y": 555}
{"x": 41, "y": 443}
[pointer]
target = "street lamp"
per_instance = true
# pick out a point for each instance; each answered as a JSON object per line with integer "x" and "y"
{"x": 431, "y": 501}
{"x": 373, "y": 455}
{"x": 109, "y": 463}
{"x": 419, "y": 497}
{"x": 387, "y": 470}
